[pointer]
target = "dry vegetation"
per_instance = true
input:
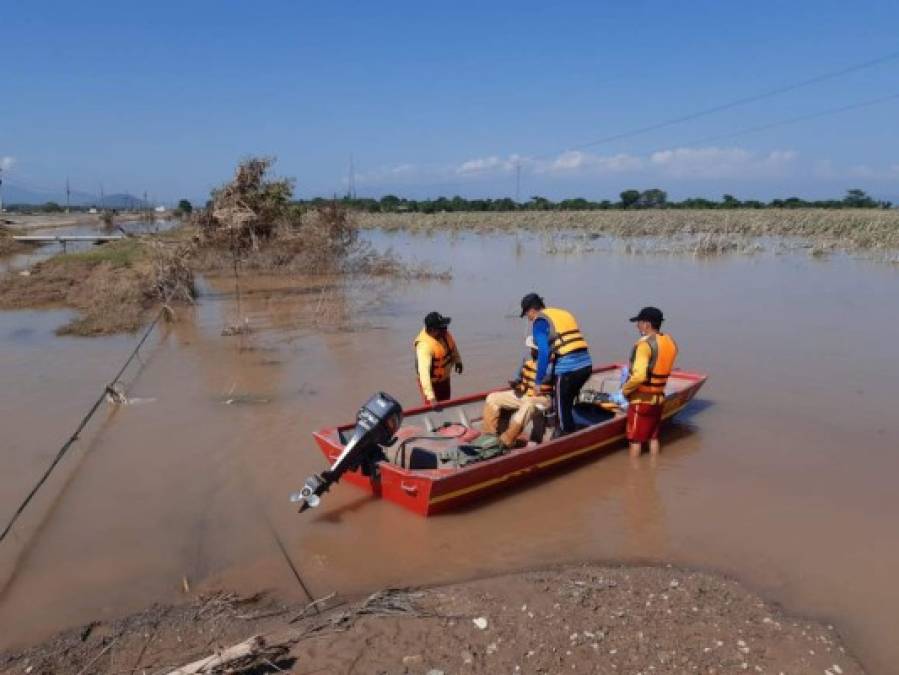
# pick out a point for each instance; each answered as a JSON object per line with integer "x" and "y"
{"x": 251, "y": 227}
{"x": 8, "y": 245}
{"x": 113, "y": 287}
{"x": 704, "y": 232}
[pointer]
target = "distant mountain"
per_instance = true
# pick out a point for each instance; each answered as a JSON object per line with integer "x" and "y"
{"x": 13, "y": 194}
{"x": 123, "y": 201}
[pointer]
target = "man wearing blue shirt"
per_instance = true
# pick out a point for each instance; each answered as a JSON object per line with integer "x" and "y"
{"x": 562, "y": 354}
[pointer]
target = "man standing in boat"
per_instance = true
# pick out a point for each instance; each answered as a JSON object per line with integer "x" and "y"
{"x": 557, "y": 336}
{"x": 436, "y": 355}
{"x": 651, "y": 362}
{"x": 524, "y": 398}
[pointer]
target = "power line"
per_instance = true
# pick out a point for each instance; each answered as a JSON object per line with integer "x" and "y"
{"x": 730, "y": 104}
{"x": 84, "y": 420}
{"x": 795, "y": 120}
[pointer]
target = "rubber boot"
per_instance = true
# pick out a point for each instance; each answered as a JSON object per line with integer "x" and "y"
{"x": 510, "y": 435}
{"x": 490, "y": 419}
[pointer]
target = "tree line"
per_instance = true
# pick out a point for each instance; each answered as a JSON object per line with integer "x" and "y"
{"x": 629, "y": 199}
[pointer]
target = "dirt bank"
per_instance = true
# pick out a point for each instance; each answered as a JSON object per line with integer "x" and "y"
{"x": 707, "y": 230}
{"x": 42, "y": 221}
{"x": 8, "y": 245}
{"x": 251, "y": 227}
{"x": 113, "y": 287}
{"x": 585, "y": 618}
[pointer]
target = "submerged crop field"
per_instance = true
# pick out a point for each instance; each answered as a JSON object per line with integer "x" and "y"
{"x": 701, "y": 231}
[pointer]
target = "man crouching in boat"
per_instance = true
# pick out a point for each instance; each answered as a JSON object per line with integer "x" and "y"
{"x": 525, "y": 397}
{"x": 651, "y": 362}
{"x": 436, "y": 355}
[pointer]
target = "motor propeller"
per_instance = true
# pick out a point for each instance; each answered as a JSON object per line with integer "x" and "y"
{"x": 376, "y": 423}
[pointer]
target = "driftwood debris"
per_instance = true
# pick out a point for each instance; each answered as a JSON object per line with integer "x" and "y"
{"x": 240, "y": 657}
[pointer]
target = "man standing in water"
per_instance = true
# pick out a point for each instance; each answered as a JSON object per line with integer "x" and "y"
{"x": 436, "y": 355}
{"x": 651, "y": 362}
{"x": 556, "y": 334}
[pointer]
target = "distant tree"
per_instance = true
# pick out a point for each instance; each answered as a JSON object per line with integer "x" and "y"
{"x": 629, "y": 198}
{"x": 651, "y": 199}
{"x": 858, "y": 199}
{"x": 577, "y": 204}
{"x": 184, "y": 206}
{"x": 730, "y": 202}
{"x": 697, "y": 203}
{"x": 538, "y": 203}
{"x": 389, "y": 203}
{"x": 51, "y": 207}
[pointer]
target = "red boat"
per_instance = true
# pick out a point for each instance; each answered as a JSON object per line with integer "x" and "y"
{"x": 427, "y": 491}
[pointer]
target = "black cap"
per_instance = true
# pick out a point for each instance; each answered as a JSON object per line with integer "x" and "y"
{"x": 651, "y": 314}
{"x": 531, "y": 301}
{"x": 436, "y": 320}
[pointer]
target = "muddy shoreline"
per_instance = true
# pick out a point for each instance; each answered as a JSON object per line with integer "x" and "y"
{"x": 584, "y": 618}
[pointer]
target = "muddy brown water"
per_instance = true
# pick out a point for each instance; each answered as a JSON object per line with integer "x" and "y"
{"x": 783, "y": 473}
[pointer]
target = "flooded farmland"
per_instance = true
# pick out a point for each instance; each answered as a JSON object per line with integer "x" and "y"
{"x": 782, "y": 474}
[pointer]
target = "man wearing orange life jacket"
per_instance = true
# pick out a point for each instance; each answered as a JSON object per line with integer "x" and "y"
{"x": 652, "y": 360}
{"x": 525, "y": 397}
{"x": 436, "y": 355}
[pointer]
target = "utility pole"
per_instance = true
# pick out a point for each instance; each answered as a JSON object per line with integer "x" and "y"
{"x": 1, "y": 189}
{"x": 102, "y": 197}
{"x": 351, "y": 182}
{"x": 517, "y": 179}
{"x": 68, "y": 194}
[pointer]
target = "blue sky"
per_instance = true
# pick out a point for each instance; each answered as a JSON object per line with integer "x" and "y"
{"x": 166, "y": 97}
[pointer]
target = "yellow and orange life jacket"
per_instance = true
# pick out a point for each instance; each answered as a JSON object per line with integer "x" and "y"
{"x": 442, "y": 354}
{"x": 564, "y": 335}
{"x": 663, "y": 352}
{"x": 529, "y": 380}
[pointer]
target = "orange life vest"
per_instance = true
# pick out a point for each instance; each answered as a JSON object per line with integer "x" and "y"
{"x": 529, "y": 380}
{"x": 442, "y": 354}
{"x": 564, "y": 335}
{"x": 663, "y": 352}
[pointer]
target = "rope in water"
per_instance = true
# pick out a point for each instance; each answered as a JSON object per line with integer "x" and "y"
{"x": 74, "y": 437}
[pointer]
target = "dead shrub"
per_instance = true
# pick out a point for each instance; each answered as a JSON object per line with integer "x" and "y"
{"x": 246, "y": 212}
{"x": 8, "y": 245}
{"x": 111, "y": 300}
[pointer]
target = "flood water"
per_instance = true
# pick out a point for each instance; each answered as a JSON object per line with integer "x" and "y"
{"x": 782, "y": 473}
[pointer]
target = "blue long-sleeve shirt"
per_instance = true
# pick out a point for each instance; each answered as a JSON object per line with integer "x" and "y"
{"x": 564, "y": 364}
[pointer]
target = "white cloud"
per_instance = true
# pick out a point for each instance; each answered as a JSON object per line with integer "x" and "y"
{"x": 485, "y": 164}
{"x": 7, "y": 162}
{"x": 685, "y": 162}
{"x": 577, "y": 162}
{"x": 714, "y": 162}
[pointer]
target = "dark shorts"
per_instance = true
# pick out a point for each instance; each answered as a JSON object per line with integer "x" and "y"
{"x": 442, "y": 390}
{"x": 643, "y": 422}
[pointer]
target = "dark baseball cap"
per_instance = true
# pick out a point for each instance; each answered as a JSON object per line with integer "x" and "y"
{"x": 531, "y": 301}
{"x": 436, "y": 320}
{"x": 651, "y": 314}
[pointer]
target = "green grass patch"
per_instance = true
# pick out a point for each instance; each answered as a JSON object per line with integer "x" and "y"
{"x": 124, "y": 253}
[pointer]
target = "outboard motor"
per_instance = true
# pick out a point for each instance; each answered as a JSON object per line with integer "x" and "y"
{"x": 376, "y": 423}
